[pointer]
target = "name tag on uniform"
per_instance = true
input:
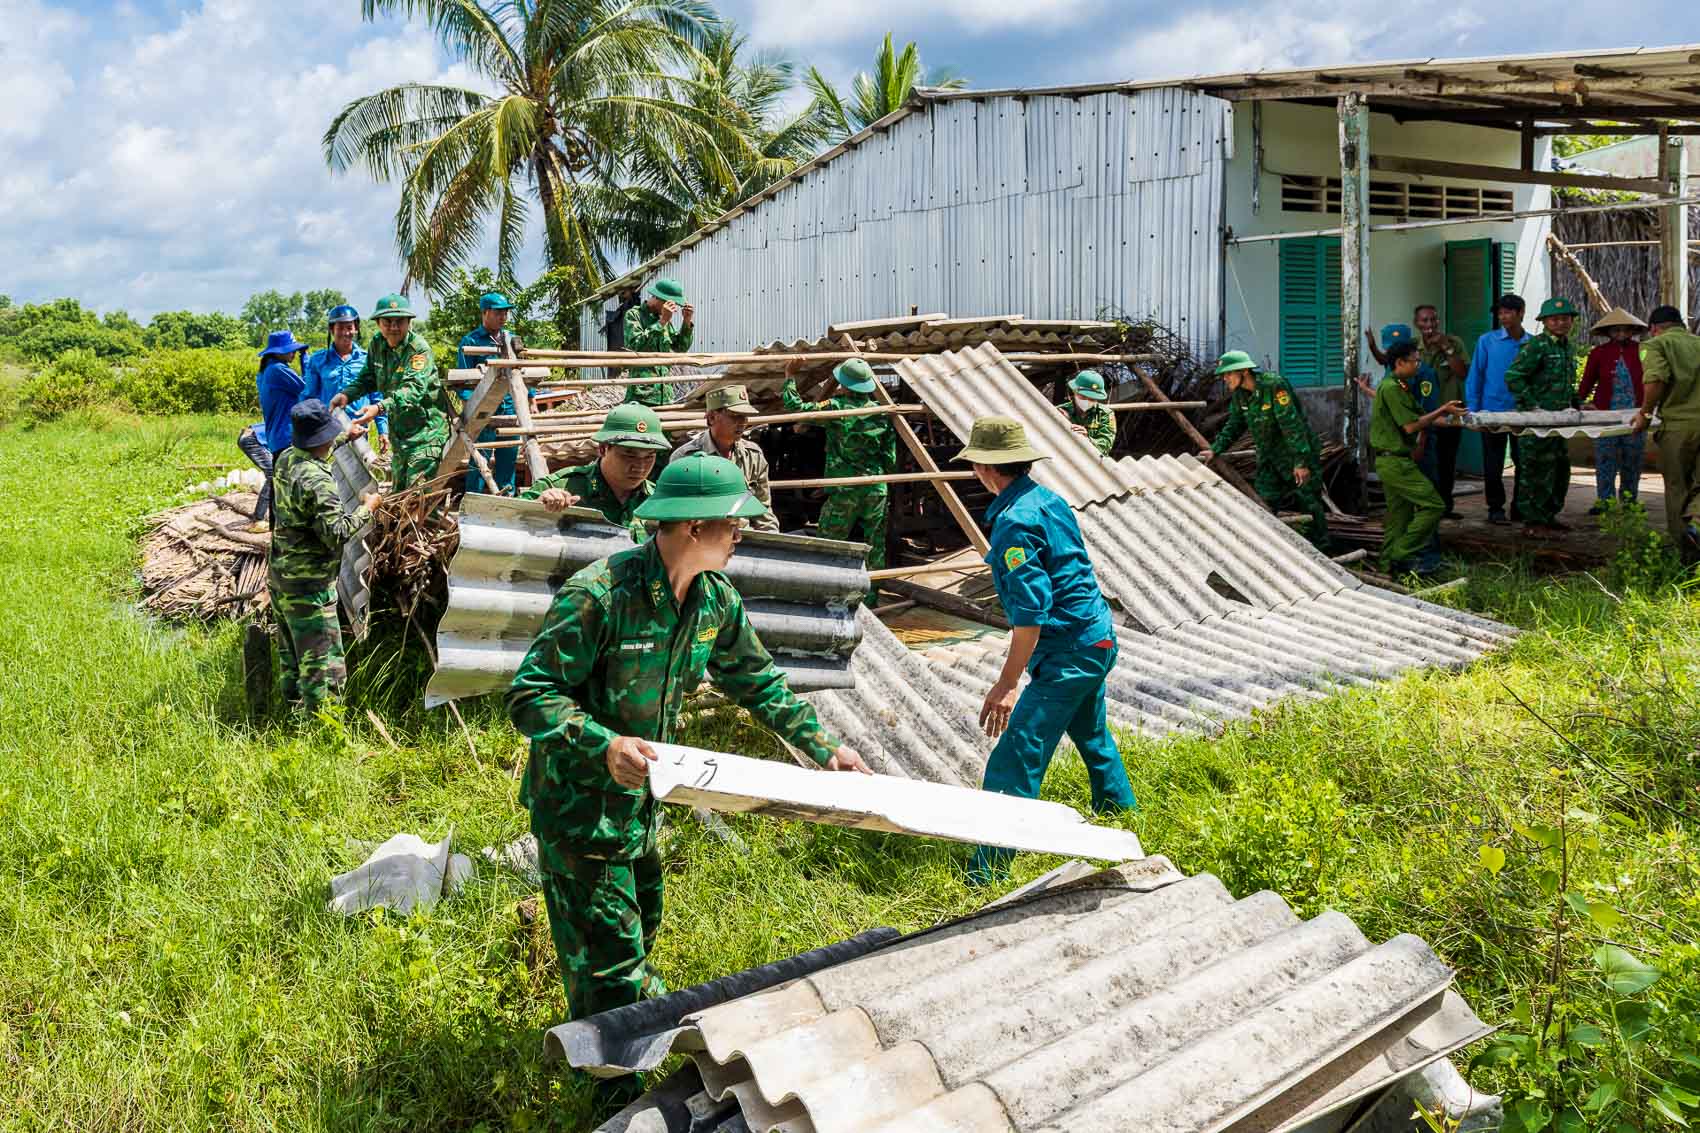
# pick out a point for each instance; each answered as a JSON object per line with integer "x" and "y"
{"x": 636, "y": 646}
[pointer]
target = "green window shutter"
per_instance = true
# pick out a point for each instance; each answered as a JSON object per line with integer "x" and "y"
{"x": 1505, "y": 259}
{"x": 1310, "y": 310}
{"x": 1470, "y": 279}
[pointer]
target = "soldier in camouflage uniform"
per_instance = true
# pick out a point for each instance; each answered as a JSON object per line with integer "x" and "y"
{"x": 616, "y": 483}
{"x": 649, "y": 330}
{"x": 625, "y": 641}
{"x": 1289, "y": 466}
{"x": 400, "y": 367}
{"x": 306, "y": 553}
{"x": 1543, "y": 376}
{"x": 729, "y": 413}
{"x": 855, "y": 446}
{"x": 1086, "y": 413}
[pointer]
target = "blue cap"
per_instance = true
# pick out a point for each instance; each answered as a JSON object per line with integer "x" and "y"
{"x": 342, "y": 314}
{"x": 493, "y": 301}
{"x": 1394, "y": 333}
{"x": 281, "y": 342}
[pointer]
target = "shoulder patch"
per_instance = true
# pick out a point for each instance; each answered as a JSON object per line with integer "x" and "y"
{"x": 707, "y": 634}
{"x": 1427, "y": 388}
{"x": 1013, "y": 557}
{"x": 1282, "y": 399}
{"x": 417, "y": 362}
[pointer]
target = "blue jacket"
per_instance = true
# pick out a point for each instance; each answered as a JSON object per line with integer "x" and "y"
{"x": 280, "y": 390}
{"x": 327, "y": 374}
{"x": 1484, "y": 386}
{"x": 1042, "y": 572}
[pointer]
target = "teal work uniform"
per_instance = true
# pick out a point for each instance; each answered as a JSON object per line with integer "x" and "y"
{"x": 503, "y": 462}
{"x": 1414, "y": 507}
{"x": 1044, "y": 578}
{"x": 647, "y": 334}
{"x": 1284, "y": 442}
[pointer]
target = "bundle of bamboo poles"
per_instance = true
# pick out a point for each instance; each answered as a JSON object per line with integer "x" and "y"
{"x": 412, "y": 539}
{"x": 199, "y": 562}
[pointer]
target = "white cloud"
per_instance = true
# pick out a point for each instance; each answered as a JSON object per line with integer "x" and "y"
{"x": 33, "y": 83}
{"x": 792, "y": 24}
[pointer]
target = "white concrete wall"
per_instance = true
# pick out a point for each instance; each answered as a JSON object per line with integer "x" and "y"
{"x": 1406, "y": 268}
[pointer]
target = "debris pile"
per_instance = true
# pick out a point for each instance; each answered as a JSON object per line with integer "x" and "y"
{"x": 412, "y": 539}
{"x": 200, "y": 561}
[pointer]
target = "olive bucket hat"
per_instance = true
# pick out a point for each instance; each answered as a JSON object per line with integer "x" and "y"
{"x": 998, "y": 440}
{"x": 393, "y": 306}
{"x": 1090, "y": 385}
{"x": 632, "y": 426}
{"x": 1234, "y": 360}
{"x": 1557, "y": 305}
{"x": 699, "y": 486}
{"x": 855, "y": 375}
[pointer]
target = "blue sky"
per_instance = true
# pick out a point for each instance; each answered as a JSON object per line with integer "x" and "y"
{"x": 157, "y": 155}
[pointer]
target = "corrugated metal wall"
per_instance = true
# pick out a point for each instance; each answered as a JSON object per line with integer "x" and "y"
{"x": 1051, "y": 207}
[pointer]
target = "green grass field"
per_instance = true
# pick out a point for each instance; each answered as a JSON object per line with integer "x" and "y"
{"x": 169, "y": 962}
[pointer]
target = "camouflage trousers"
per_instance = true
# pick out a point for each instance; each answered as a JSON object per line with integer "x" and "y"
{"x": 846, "y": 509}
{"x": 1275, "y": 484}
{"x": 1543, "y": 478}
{"x": 416, "y": 458}
{"x": 309, "y": 645}
{"x": 603, "y": 916}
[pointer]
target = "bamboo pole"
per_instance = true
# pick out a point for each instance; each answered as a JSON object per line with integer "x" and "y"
{"x": 924, "y": 568}
{"x": 1570, "y": 261}
{"x": 864, "y": 481}
{"x": 695, "y": 420}
{"x": 619, "y": 361}
{"x": 522, "y": 413}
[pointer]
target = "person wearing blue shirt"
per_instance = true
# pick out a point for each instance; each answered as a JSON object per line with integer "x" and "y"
{"x": 1485, "y": 391}
{"x": 493, "y": 308}
{"x": 327, "y": 371}
{"x": 1060, "y": 634}
{"x": 280, "y": 388}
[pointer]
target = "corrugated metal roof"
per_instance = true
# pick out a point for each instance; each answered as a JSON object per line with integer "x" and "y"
{"x": 801, "y": 594}
{"x": 1555, "y": 423}
{"x": 353, "y": 478}
{"x": 1133, "y": 999}
{"x": 959, "y": 386}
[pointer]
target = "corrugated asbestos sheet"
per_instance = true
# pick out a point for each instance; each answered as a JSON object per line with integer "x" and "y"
{"x": 1054, "y": 207}
{"x": 514, "y": 555}
{"x": 352, "y": 476}
{"x": 1555, "y": 423}
{"x": 1136, "y": 999}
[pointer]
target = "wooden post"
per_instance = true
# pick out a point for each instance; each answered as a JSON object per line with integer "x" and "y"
{"x": 1673, "y": 224}
{"x": 480, "y": 407}
{"x": 522, "y": 413}
{"x": 1526, "y": 155}
{"x": 1354, "y": 264}
{"x": 865, "y": 481}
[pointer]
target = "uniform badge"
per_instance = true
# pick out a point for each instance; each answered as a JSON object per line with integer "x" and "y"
{"x": 1282, "y": 399}
{"x": 707, "y": 634}
{"x": 1014, "y": 557}
{"x": 1428, "y": 388}
{"x": 417, "y": 362}
{"x": 643, "y": 426}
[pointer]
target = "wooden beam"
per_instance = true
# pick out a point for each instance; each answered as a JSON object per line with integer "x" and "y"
{"x": 1526, "y": 152}
{"x": 522, "y": 413}
{"x": 943, "y": 600}
{"x": 1423, "y": 166}
{"x": 1353, "y": 114}
{"x": 474, "y": 415}
{"x": 952, "y": 502}
{"x": 1575, "y": 265}
{"x": 864, "y": 481}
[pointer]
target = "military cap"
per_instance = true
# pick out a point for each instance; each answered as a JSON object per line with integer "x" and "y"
{"x": 998, "y": 440}
{"x": 393, "y": 306}
{"x": 311, "y": 424}
{"x": 1090, "y": 385}
{"x": 1557, "y": 305}
{"x": 494, "y": 301}
{"x": 1234, "y": 360}
{"x": 632, "y": 426}
{"x": 733, "y": 399}
{"x": 700, "y": 486}
{"x": 1394, "y": 333}
{"x": 668, "y": 290}
{"x": 855, "y": 375}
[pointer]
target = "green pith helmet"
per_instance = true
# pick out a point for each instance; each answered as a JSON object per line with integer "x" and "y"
{"x": 1089, "y": 385}
{"x": 494, "y": 301}
{"x": 393, "y": 306}
{"x": 855, "y": 375}
{"x": 1557, "y": 305}
{"x": 699, "y": 486}
{"x": 1234, "y": 360}
{"x": 632, "y": 426}
{"x": 668, "y": 291}
{"x": 998, "y": 440}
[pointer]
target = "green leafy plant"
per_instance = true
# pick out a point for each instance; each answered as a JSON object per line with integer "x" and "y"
{"x": 1281, "y": 832}
{"x": 76, "y": 379}
{"x": 1642, "y": 559}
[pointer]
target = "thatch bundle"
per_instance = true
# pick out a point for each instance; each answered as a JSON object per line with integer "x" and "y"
{"x": 1628, "y": 272}
{"x": 199, "y": 562}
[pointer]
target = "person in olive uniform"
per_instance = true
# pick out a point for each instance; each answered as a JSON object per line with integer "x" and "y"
{"x": 728, "y": 416}
{"x": 1086, "y": 412}
{"x": 1543, "y": 377}
{"x": 649, "y": 330}
{"x": 1289, "y": 465}
{"x": 1670, "y": 373}
{"x": 616, "y": 483}
{"x": 1414, "y": 506}
{"x": 626, "y": 639}
{"x": 400, "y": 368}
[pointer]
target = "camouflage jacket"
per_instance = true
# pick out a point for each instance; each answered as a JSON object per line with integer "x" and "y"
{"x": 1543, "y": 375}
{"x": 616, "y": 657}
{"x": 310, "y": 527}
{"x": 751, "y": 461}
{"x": 1100, "y": 425}
{"x": 1278, "y": 426}
{"x": 586, "y": 482}
{"x": 646, "y": 334}
{"x": 407, "y": 379}
{"x": 855, "y": 446}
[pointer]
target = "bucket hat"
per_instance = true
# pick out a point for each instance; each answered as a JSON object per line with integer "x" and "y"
{"x": 699, "y": 486}
{"x": 311, "y": 424}
{"x": 998, "y": 440}
{"x": 282, "y": 342}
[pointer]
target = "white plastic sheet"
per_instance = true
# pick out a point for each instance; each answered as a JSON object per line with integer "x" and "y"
{"x": 403, "y": 874}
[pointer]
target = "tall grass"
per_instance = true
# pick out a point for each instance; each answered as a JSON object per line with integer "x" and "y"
{"x": 169, "y": 961}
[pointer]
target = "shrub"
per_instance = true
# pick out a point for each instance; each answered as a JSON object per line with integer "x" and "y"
{"x": 46, "y": 340}
{"x": 1642, "y": 560}
{"x": 76, "y": 379}
{"x": 192, "y": 381}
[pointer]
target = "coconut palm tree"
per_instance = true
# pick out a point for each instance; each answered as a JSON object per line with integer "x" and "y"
{"x": 895, "y": 76}
{"x": 665, "y": 194}
{"x": 570, "y": 85}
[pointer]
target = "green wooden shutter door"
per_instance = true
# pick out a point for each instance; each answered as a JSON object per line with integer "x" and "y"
{"x": 1310, "y": 310}
{"x": 1505, "y": 255}
{"x": 1469, "y": 289}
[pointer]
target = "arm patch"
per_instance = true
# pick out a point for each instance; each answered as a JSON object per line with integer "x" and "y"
{"x": 1013, "y": 557}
